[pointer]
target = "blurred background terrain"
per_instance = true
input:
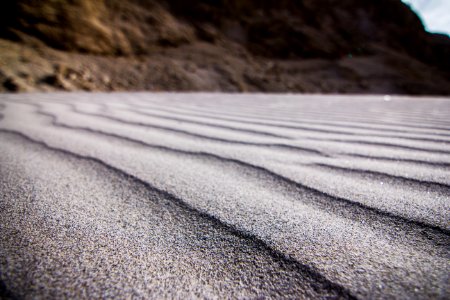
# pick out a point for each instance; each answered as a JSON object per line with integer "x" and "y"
{"x": 313, "y": 46}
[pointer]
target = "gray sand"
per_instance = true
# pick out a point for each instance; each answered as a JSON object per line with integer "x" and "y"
{"x": 224, "y": 196}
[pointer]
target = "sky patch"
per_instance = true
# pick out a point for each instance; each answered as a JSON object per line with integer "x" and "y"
{"x": 435, "y": 14}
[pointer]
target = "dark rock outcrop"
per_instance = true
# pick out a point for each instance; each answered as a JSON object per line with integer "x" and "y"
{"x": 265, "y": 36}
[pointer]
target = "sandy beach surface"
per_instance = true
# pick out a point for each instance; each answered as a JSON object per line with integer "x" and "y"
{"x": 224, "y": 196}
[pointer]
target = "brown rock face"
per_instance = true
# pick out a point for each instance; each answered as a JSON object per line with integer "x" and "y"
{"x": 258, "y": 33}
{"x": 98, "y": 27}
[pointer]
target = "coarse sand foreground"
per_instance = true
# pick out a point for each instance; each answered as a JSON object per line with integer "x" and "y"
{"x": 160, "y": 195}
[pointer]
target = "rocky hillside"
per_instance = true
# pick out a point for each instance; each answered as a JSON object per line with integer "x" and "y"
{"x": 229, "y": 45}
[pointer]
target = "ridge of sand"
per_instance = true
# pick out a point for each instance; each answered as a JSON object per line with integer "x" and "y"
{"x": 224, "y": 196}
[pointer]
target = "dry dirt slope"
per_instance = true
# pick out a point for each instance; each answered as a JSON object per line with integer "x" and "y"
{"x": 224, "y": 196}
{"x": 230, "y": 45}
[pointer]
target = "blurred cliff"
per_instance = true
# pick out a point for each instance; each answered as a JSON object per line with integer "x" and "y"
{"x": 330, "y": 46}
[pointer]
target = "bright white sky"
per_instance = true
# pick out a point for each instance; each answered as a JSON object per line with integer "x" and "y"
{"x": 435, "y": 14}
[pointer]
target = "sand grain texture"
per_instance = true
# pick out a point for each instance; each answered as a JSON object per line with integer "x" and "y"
{"x": 224, "y": 196}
